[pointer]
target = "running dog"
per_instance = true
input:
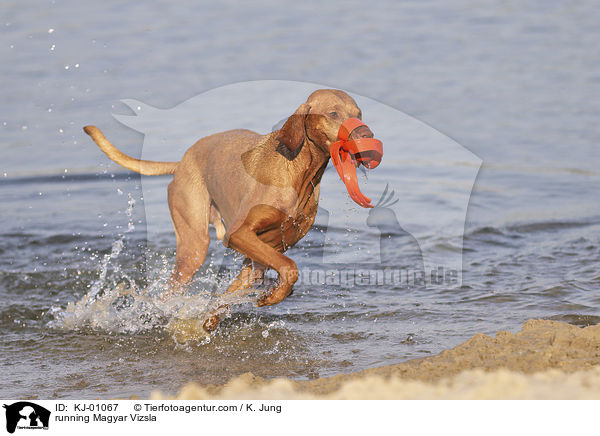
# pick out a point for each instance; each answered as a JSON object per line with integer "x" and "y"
{"x": 260, "y": 192}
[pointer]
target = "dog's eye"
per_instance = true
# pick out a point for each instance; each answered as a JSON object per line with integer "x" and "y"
{"x": 333, "y": 114}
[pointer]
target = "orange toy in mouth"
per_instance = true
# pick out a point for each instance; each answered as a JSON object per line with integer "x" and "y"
{"x": 348, "y": 154}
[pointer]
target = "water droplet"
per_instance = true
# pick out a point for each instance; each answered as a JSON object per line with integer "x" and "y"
{"x": 76, "y": 65}
{"x": 52, "y": 47}
{"x": 50, "y": 30}
{"x": 60, "y": 130}
{"x": 66, "y": 67}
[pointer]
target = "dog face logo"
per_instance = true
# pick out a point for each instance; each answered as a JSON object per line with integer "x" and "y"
{"x": 423, "y": 183}
{"x": 26, "y": 415}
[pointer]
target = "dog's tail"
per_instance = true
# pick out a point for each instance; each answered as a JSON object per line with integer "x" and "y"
{"x": 145, "y": 167}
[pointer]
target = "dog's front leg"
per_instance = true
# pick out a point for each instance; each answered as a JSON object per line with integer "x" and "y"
{"x": 266, "y": 221}
{"x": 247, "y": 242}
{"x": 246, "y": 278}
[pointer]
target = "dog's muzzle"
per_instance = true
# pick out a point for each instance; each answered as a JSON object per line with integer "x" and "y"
{"x": 347, "y": 154}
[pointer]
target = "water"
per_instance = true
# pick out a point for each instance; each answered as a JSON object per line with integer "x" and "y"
{"x": 517, "y": 84}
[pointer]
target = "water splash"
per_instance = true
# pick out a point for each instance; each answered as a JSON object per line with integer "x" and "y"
{"x": 115, "y": 303}
{"x": 116, "y": 249}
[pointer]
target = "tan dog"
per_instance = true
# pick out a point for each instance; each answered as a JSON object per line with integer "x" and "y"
{"x": 260, "y": 192}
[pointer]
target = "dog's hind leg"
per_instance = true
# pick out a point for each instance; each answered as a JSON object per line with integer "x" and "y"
{"x": 190, "y": 211}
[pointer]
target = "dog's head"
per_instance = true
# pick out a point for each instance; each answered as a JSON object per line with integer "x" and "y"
{"x": 319, "y": 121}
{"x": 330, "y": 119}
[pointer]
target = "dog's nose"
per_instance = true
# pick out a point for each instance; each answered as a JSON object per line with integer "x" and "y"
{"x": 361, "y": 132}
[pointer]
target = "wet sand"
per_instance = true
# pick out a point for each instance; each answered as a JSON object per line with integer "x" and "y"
{"x": 545, "y": 360}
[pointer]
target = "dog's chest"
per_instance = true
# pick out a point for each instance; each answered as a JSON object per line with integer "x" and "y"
{"x": 293, "y": 227}
{"x": 296, "y": 227}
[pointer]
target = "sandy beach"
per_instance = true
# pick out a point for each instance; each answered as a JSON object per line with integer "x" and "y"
{"x": 545, "y": 360}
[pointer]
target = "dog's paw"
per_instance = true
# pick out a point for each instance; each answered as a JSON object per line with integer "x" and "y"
{"x": 274, "y": 297}
{"x": 211, "y": 324}
{"x": 184, "y": 330}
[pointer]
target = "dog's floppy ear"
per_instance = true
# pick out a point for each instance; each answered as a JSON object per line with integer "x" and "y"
{"x": 291, "y": 135}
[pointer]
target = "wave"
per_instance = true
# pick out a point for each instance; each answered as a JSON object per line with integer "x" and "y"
{"x": 66, "y": 178}
{"x": 515, "y": 230}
